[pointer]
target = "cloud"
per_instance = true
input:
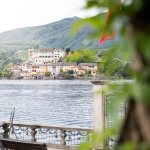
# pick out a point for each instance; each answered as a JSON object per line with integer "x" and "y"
{"x": 24, "y": 13}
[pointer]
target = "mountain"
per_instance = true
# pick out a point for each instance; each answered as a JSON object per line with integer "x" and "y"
{"x": 55, "y": 34}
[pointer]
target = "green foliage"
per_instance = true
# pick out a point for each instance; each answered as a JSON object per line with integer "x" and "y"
{"x": 0, "y": 73}
{"x": 70, "y": 71}
{"x": 47, "y": 74}
{"x": 134, "y": 29}
{"x": 88, "y": 75}
{"x": 10, "y": 57}
{"x": 9, "y": 65}
{"x": 127, "y": 70}
{"x": 6, "y": 74}
{"x": 67, "y": 50}
{"x": 34, "y": 75}
{"x": 81, "y": 56}
{"x": 89, "y": 71}
{"x": 114, "y": 67}
{"x": 65, "y": 75}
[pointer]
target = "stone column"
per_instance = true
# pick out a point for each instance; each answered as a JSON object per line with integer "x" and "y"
{"x": 100, "y": 89}
{"x": 63, "y": 136}
{"x": 33, "y": 133}
{"x": 6, "y": 130}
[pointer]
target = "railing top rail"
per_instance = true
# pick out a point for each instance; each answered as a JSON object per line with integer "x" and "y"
{"x": 71, "y": 128}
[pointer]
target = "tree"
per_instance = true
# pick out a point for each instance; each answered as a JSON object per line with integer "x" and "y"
{"x": 0, "y": 73}
{"x": 89, "y": 72}
{"x": 60, "y": 59}
{"x": 47, "y": 74}
{"x": 127, "y": 70}
{"x": 70, "y": 71}
{"x": 65, "y": 75}
{"x": 9, "y": 65}
{"x": 81, "y": 56}
{"x": 67, "y": 50}
{"x": 113, "y": 67}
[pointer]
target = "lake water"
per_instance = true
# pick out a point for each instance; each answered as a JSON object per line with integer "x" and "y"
{"x": 52, "y": 102}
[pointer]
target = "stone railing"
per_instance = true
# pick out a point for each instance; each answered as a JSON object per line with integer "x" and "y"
{"x": 54, "y": 136}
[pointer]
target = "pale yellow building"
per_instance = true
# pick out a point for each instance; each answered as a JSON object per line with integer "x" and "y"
{"x": 39, "y": 69}
{"x": 68, "y": 66}
{"x": 88, "y": 66}
{"x": 79, "y": 70}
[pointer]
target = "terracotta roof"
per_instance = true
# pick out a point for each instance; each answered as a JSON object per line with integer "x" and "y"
{"x": 75, "y": 66}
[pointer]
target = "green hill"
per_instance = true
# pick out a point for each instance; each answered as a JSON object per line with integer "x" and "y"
{"x": 55, "y": 34}
{"x": 51, "y": 35}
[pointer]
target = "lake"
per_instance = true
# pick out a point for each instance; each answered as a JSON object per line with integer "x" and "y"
{"x": 52, "y": 102}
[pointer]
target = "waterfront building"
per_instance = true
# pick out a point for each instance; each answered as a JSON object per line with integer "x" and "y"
{"x": 89, "y": 66}
{"x": 27, "y": 66}
{"x": 25, "y": 74}
{"x": 45, "y": 54}
{"x": 68, "y": 66}
{"x": 54, "y": 68}
{"x": 38, "y": 69}
{"x": 79, "y": 70}
{"x": 16, "y": 69}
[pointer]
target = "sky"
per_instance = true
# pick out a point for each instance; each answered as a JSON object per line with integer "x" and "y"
{"x": 26, "y": 13}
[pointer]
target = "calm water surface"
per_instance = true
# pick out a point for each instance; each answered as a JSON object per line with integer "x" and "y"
{"x": 53, "y": 102}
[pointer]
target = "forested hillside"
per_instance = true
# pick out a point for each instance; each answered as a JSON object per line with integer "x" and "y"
{"x": 55, "y": 34}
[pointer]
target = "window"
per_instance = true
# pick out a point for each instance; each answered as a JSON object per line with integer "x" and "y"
{"x": 37, "y": 52}
{"x": 39, "y": 60}
{"x": 61, "y": 51}
{"x": 36, "y": 60}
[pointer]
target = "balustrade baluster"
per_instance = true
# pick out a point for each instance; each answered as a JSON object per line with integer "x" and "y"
{"x": 6, "y": 130}
{"x": 33, "y": 133}
{"x": 63, "y": 136}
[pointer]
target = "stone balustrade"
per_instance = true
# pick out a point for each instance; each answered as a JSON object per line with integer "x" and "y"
{"x": 54, "y": 136}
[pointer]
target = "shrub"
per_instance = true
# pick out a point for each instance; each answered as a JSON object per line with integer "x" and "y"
{"x": 47, "y": 74}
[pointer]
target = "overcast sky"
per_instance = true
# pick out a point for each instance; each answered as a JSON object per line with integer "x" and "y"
{"x": 24, "y": 13}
